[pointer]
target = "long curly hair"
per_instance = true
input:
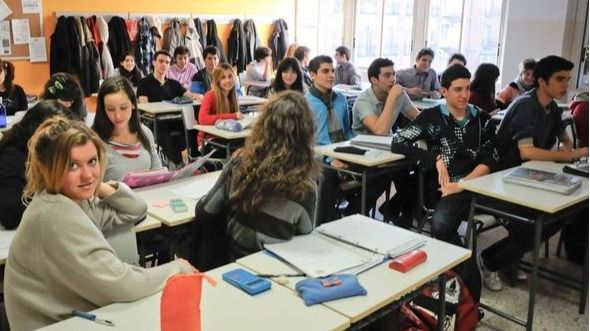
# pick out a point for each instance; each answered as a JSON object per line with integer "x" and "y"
{"x": 277, "y": 159}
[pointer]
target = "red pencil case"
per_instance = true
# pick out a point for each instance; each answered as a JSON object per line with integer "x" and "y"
{"x": 408, "y": 261}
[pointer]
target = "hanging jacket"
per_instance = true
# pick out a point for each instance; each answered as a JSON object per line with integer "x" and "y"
{"x": 192, "y": 40}
{"x": 172, "y": 37}
{"x": 237, "y": 46}
{"x": 155, "y": 28}
{"x": 252, "y": 40}
{"x": 144, "y": 51}
{"x": 90, "y": 73}
{"x": 60, "y": 52}
{"x": 107, "y": 63}
{"x": 213, "y": 40}
{"x": 200, "y": 32}
{"x": 279, "y": 41}
{"x": 132, "y": 30}
{"x": 75, "y": 48}
{"x": 118, "y": 43}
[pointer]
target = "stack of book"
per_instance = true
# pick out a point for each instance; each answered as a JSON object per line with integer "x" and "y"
{"x": 556, "y": 182}
{"x": 371, "y": 141}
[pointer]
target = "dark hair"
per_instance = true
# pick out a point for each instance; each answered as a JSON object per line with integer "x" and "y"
{"x": 375, "y": 67}
{"x": 66, "y": 87}
{"x": 210, "y": 50}
{"x": 134, "y": 75}
{"x": 261, "y": 52}
{"x": 454, "y": 71}
{"x": 19, "y": 134}
{"x": 484, "y": 80}
{"x": 300, "y": 52}
{"x": 8, "y": 68}
{"x": 288, "y": 63}
{"x": 343, "y": 50}
{"x": 181, "y": 50}
{"x": 425, "y": 51}
{"x": 161, "y": 52}
{"x": 549, "y": 65}
{"x": 527, "y": 64}
{"x": 102, "y": 125}
{"x": 458, "y": 56}
{"x": 317, "y": 61}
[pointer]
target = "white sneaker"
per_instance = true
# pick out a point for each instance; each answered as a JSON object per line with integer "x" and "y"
{"x": 491, "y": 279}
{"x": 521, "y": 275}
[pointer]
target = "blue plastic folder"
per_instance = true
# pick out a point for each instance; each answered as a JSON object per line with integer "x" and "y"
{"x": 318, "y": 290}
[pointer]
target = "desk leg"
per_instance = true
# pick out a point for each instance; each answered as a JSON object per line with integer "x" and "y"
{"x": 584, "y": 293}
{"x": 364, "y": 210}
{"x": 442, "y": 290}
{"x": 535, "y": 275}
{"x": 469, "y": 231}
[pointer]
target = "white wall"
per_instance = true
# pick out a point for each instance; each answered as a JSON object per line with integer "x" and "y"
{"x": 535, "y": 28}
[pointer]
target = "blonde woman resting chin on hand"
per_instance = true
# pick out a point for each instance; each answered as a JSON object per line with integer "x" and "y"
{"x": 59, "y": 259}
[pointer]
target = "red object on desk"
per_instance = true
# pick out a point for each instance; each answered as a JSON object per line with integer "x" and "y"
{"x": 408, "y": 261}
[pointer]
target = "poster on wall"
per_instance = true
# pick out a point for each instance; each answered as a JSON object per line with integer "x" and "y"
{"x": 4, "y": 10}
{"x": 31, "y": 6}
{"x": 21, "y": 31}
{"x": 37, "y": 52}
{"x": 5, "y": 48}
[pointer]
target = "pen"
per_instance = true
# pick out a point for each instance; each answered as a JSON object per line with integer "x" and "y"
{"x": 92, "y": 317}
{"x": 280, "y": 275}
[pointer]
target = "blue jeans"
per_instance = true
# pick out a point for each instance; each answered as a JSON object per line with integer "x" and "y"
{"x": 447, "y": 217}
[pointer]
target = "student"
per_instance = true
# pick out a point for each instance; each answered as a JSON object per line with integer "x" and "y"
{"x": 259, "y": 70}
{"x": 289, "y": 77}
{"x": 13, "y": 96}
{"x": 483, "y": 87}
{"x": 182, "y": 70}
{"x": 346, "y": 72}
{"x": 205, "y": 75}
{"x": 528, "y": 131}
{"x": 457, "y": 58}
{"x": 221, "y": 102}
{"x": 65, "y": 88}
{"x": 156, "y": 87}
{"x": 461, "y": 140}
{"x": 59, "y": 259}
{"x": 420, "y": 80}
{"x": 302, "y": 54}
{"x": 332, "y": 125}
{"x": 129, "y": 70}
{"x": 129, "y": 144}
{"x": 375, "y": 111}
{"x": 522, "y": 83}
{"x": 274, "y": 198}
{"x": 13, "y": 158}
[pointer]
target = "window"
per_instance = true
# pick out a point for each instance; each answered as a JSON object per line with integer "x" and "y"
{"x": 470, "y": 27}
{"x": 319, "y": 25}
{"x": 383, "y": 31}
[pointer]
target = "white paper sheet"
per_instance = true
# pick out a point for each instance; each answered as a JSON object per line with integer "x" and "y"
{"x": 31, "y": 6}
{"x": 5, "y": 240}
{"x": 5, "y": 43}
{"x": 37, "y": 50}
{"x": 4, "y": 10}
{"x": 195, "y": 189}
{"x": 21, "y": 31}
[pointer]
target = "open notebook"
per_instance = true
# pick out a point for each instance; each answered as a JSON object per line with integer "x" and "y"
{"x": 352, "y": 244}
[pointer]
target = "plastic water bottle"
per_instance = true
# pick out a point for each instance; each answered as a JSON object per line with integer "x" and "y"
{"x": 2, "y": 114}
{"x": 228, "y": 125}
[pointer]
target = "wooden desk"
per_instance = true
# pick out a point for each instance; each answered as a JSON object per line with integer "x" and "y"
{"x": 149, "y": 223}
{"x": 428, "y": 103}
{"x": 373, "y": 163}
{"x": 384, "y": 286}
{"x": 550, "y": 207}
{"x": 223, "y": 307}
{"x": 224, "y": 134}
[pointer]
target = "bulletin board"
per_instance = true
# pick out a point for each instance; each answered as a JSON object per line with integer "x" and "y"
{"x": 21, "y": 52}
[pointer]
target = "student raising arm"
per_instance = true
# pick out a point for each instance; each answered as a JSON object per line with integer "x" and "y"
{"x": 59, "y": 259}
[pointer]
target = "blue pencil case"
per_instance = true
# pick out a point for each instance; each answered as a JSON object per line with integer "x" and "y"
{"x": 318, "y": 290}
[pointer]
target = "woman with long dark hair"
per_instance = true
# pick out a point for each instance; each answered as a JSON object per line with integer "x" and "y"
{"x": 289, "y": 77}
{"x": 483, "y": 87}
{"x": 66, "y": 89}
{"x": 129, "y": 70}
{"x": 13, "y": 96}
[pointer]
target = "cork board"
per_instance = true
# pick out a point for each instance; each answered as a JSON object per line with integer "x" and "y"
{"x": 21, "y": 52}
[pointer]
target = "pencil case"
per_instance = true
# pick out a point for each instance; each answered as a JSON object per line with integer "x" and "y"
{"x": 408, "y": 261}
{"x": 318, "y": 290}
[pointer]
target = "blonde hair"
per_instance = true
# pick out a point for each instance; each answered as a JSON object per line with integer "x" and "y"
{"x": 224, "y": 105}
{"x": 49, "y": 154}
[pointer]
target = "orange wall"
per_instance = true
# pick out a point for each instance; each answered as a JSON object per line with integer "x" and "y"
{"x": 32, "y": 76}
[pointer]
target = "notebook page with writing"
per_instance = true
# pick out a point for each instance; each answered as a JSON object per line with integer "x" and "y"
{"x": 373, "y": 235}
{"x": 318, "y": 257}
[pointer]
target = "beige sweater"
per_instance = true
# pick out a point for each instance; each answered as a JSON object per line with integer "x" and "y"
{"x": 59, "y": 259}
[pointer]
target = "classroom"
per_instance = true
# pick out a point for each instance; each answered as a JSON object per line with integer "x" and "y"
{"x": 294, "y": 165}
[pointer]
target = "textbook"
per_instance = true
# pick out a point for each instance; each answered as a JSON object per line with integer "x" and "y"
{"x": 163, "y": 175}
{"x": 560, "y": 183}
{"x": 372, "y": 141}
{"x": 352, "y": 244}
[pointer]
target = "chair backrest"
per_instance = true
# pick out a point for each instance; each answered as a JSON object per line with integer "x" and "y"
{"x": 124, "y": 241}
{"x": 242, "y": 79}
{"x": 197, "y": 87}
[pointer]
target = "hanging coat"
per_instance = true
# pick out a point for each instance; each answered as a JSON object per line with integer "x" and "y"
{"x": 213, "y": 40}
{"x": 90, "y": 73}
{"x": 60, "y": 52}
{"x": 155, "y": 28}
{"x": 119, "y": 42}
{"x": 75, "y": 48}
{"x": 200, "y": 32}
{"x": 144, "y": 51}
{"x": 192, "y": 41}
{"x": 107, "y": 64}
{"x": 252, "y": 40}
{"x": 172, "y": 37}
{"x": 237, "y": 46}
{"x": 279, "y": 41}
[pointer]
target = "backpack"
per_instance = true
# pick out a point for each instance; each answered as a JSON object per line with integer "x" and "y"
{"x": 461, "y": 309}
